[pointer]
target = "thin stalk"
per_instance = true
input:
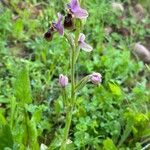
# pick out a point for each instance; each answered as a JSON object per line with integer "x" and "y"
{"x": 71, "y": 105}
{"x": 64, "y": 96}
{"x": 67, "y": 127}
{"x": 72, "y": 75}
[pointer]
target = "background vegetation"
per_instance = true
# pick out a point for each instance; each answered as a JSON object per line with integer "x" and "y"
{"x": 113, "y": 116}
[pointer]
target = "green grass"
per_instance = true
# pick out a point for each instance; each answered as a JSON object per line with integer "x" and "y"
{"x": 112, "y": 116}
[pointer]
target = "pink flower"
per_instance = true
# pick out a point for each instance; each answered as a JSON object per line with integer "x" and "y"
{"x": 58, "y": 25}
{"x": 82, "y": 44}
{"x": 63, "y": 80}
{"x": 96, "y": 78}
{"x": 76, "y": 10}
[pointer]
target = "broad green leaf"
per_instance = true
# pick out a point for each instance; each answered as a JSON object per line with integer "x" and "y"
{"x": 6, "y": 139}
{"x": 2, "y": 120}
{"x": 109, "y": 145}
{"x": 115, "y": 89}
{"x": 22, "y": 86}
{"x": 30, "y": 134}
{"x": 13, "y": 110}
{"x": 33, "y": 134}
{"x": 37, "y": 116}
{"x": 18, "y": 29}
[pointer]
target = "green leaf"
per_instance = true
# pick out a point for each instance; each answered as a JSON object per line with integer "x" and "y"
{"x": 58, "y": 105}
{"x": 13, "y": 110}
{"x": 6, "y": 139}
{"x": 33, "y": 134}
{"x": 2, "y": 120}
{"x": 115, "y": 89}
{"x": 18, "y": 29}
{"x": 70, "y": 146}
{"x": 82, "y": 83}
{"x": 109, "y": 145}
{"x": 37, "y": 115}
{"x": 22, "y": 86}
{"x": 29, "y": 135}
{"x": 127, "y": 131}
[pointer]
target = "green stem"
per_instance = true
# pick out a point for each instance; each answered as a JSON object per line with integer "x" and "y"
{"x": 72, "y": 76}
{"x": 71, "y": 105}
{"x": 64, "y": 96}
{"x": 66, "y": 131}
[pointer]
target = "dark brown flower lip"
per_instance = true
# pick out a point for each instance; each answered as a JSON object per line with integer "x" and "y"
{"x": 49, "y": 34}
{"x": 68, "y": 21}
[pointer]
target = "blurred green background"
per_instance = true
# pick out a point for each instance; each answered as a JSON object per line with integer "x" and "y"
{"x": 115, "y": 115}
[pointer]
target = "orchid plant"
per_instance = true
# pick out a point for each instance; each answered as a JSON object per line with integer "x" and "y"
{"x": 76, "y": 39}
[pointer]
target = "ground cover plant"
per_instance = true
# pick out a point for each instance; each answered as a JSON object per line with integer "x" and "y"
{"x": 54, "y": 95}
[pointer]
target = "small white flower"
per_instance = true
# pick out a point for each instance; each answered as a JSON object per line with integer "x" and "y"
{"x": 43, "y": 147}
{"x": 68, "y": 141}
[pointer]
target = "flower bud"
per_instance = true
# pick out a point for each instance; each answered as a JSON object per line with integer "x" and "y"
{"x": 63, "y": 80}
{"x": 96, "y": 78}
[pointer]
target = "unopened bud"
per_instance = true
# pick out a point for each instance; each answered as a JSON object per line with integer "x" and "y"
{"x": 63, "y": 80}
{"x": 96, "y": 78}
